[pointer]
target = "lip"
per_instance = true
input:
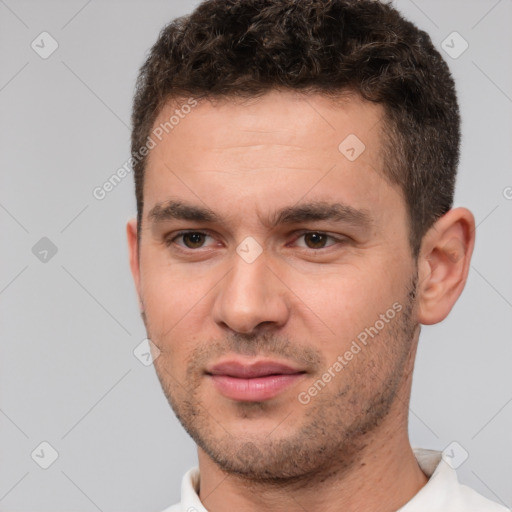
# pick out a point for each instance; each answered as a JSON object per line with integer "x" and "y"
{"x": 239, "y": 369}
{"x": 254, "y": 382}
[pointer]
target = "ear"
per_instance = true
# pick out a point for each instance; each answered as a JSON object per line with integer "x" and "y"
{"x": 443, "y": 264}
{"x": 131, "y": 233}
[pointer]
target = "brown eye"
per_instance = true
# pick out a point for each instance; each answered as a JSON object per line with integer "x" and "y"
{"x": 193, "y": 240}
{"x": 315, "y": 240}
{"x": 188, "y": 240}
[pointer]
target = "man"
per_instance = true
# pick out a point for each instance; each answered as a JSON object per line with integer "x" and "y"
{"x": 295, "y": 163}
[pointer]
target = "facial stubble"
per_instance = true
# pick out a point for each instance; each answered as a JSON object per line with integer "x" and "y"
{"x": 335, "y": 426}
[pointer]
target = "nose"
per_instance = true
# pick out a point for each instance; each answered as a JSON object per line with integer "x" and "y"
{"x": 251, "y": 297}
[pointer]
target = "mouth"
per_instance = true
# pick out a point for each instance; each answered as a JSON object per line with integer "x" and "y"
{"x": 254, "y": 382}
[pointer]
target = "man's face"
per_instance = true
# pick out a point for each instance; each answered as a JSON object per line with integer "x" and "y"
{"x": 269, "y": 275}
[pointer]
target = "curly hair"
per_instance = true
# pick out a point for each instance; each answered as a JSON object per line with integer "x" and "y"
{"x": 245, "y": 48}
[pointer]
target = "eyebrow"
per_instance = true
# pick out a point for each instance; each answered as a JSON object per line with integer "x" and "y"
{"x": 303, "y": 212}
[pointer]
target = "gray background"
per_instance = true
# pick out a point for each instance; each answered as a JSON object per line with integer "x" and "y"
{"x": 68, "y": 375}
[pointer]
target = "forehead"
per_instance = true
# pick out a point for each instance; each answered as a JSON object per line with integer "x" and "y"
{"x": 273, "y": 150}
{"x": 306, "y": 121}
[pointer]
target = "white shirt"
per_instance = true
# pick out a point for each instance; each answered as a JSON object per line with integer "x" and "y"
{"x": 442, "y": 492}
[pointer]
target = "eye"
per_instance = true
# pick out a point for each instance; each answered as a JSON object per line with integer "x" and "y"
{"x": 317, "y": 240}
{"x": 191, "y": 239}
{"x": 312, "y": 240}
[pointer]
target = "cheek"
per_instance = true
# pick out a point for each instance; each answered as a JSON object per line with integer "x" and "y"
{"x": 349, "y": 299}
{"x": 163, "y": 284}
{"x": 177, "y": 303}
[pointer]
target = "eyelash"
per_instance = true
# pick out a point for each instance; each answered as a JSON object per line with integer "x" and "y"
{"x": 171, "y": 240}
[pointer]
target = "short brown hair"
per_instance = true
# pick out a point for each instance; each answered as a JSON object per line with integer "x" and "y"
{"x": 228, "y": 48}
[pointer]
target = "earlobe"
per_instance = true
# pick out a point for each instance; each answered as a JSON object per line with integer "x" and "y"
{"x": 443, "y": 264}
{"x": 131, "y": 233}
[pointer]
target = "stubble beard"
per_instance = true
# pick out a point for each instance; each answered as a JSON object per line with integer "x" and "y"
{"x": 336, "y": 426}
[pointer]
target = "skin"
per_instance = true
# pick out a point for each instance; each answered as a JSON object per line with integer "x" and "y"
{"x": 300, "y": 301}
